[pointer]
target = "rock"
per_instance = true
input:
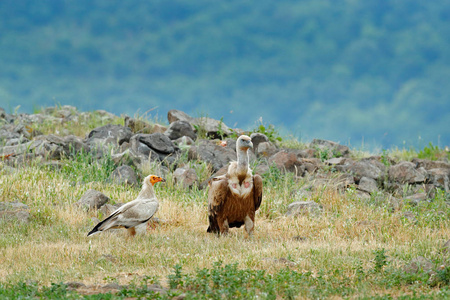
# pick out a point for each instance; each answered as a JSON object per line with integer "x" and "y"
{"x": 439, "y": 178}
{"x": 418, "y": 264}
{"x": 303, "y": 207}
{"x": 212, "y": 128}
{"x": 367, "y": 169}
{"x": 14, "y": 212}
{"x": 124, "y": 175}
{"x": 185, "y": 177}
{"x": 409, "y": 215}
{"x": 431, "y": 164}
{"x": 108, "y": 209}
{"x": 184, "y": 142}
{"x": 406, "y": 172}
{"x": 136, "y": 125}
{"x": 266, "y": 149}
{"x": 335, "y": 148}
{"x": 178, "y": 129}
{"x": 92, "y": 199}
{"x": 109, "y": 134}
{"x": 368, "y": 185}
{"x": 158, "y": 142}
{"x": 143, "y": 151}
{"x": 311, "y": 164}
{"x": 336, "y": 161}
{"x": 416, "y": 198}
{"x": 212, "y": 153}
{"x": 287, "y": 162}
{"x": 177, "y": 115}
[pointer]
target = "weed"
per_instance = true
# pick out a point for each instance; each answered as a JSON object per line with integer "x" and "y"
{"x": 269, "y": 131}
{"x": 433, "y": 153}
{"x": 380, "y": 260}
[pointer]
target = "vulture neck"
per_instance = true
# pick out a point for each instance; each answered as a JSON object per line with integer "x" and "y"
{"x": 146, "y": 192}
{"x": 242, "y": 164}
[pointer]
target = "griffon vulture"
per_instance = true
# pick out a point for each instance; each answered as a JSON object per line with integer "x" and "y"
{"x": 135, "y": 212}
{"x": 235, "y": 196}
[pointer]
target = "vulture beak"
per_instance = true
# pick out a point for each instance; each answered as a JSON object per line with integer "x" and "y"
{"x": 156, "y": 179}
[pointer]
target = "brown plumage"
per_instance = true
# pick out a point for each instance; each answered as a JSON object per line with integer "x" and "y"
{"x": 135, "y": 212}
{"x": 235, "y": 196}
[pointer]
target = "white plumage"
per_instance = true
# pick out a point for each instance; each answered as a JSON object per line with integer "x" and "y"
{"x": 135, "y": 212}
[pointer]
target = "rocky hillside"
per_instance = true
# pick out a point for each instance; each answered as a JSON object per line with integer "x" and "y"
{"x": 136, "y": 146}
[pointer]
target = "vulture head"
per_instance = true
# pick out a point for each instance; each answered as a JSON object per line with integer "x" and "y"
{"x": 152, "y": 179}
{"x": 243, "y": 143}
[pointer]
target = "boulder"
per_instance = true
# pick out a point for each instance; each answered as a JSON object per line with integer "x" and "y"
{"x": 266, "y": 149}
{"x": 158, "y": 142}
{"x": 177, "y": 115}
{"x": 178, "y": 129}
{"x": 92, "y": 199}
{"x": 186, "y": 177}
{"x": 406, "y": 172}
{"x": 212, "y": 153}
{"x": 415, "y": 199}
{"x": 439, "y": 178}
{"x": 109, "y": 134}
{"x": 418, "y": 264}
{"x": 368, "y": 185}
{"x": 124, "y": 175}
{"x": 303, "y": 207}
{"x": 364, "y": 168}
{"x": 287, "y": 162}
{"x": 14, "y": 212}
{"x": 335, "y": 148}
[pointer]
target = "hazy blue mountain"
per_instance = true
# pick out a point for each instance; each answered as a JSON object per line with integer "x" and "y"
{"x": 373, "y": 72}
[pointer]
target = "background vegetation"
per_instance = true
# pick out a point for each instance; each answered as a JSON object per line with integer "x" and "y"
{"x": 357, "y": 248}
{"x": 370, "y": 73}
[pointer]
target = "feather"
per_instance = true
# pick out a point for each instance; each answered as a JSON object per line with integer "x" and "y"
{"x": 135, "y": 212}
{"x": 234, "y": 197}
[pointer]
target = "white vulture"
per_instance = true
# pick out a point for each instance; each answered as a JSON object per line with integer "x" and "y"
{"x": 135, "y": 212}
{"x": 235, "y": 196}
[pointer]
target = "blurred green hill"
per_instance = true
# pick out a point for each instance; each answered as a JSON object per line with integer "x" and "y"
{"x": 357, "y": 72}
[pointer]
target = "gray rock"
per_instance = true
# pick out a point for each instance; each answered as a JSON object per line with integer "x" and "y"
{"x": 14, "y": 212}
{"x": 431, "y": 164}
{"x": 178, "y": 129}
{"x": 108, "y": 209}
{"x": 213, "y": 128}
{"x": 184, "y": 141}
{"x": 303, "y": 207}
{"x": 124, "y": 175}
{"x": 439, "y": 178}
{"x": 92, "y": 199}
{"x": 109, "y": 134}
{"x": 177, "y": 115}
{"x": 212, "y": 153}
{"x": 368, "y": 185}
{"x": 266, "y": 149}
{"x": 186, "y": 177}
{"x": 336, "y": 161}
{"x": 406, "y": 172}
{"x": 158, "y": 142}
{"x": 418, "y": 264}
{"x": 143, "y": 151}
{"x": 336, "y": 149}
{"x": 367, "y": 169}
{"x": 287, "y": 162}
{"x": 416, "y": 198}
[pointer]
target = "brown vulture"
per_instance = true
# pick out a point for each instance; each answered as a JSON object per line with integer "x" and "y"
{"x": 235, "y": 196}
{"x": 135, "y": 212}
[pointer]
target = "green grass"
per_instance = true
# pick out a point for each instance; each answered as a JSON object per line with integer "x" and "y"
{"x": 356, "y": 248}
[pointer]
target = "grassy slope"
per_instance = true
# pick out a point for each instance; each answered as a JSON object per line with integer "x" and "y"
{"x": 342, "y": 254}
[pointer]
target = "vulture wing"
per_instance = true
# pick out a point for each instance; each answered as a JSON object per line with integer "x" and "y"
{"x": 257, "y": 190}
{"x": 217, "y": 195}
{"x": 129, "y": 215}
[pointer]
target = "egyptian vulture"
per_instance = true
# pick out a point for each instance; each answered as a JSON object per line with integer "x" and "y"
{"x": 135, "y": 212}
{"x": 234, "y": 197}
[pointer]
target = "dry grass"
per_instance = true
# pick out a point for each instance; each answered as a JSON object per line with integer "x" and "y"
{"x": 53, "y": 247}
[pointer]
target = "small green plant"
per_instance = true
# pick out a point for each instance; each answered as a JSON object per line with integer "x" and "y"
{"x": 432, "y": 153}
{"x": 380, "y": 260}
{"x": 269, "y": 131}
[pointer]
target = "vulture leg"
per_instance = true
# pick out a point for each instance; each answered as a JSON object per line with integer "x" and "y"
{"x": 224, "y": 228}
{"x": 249, "y": 225}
